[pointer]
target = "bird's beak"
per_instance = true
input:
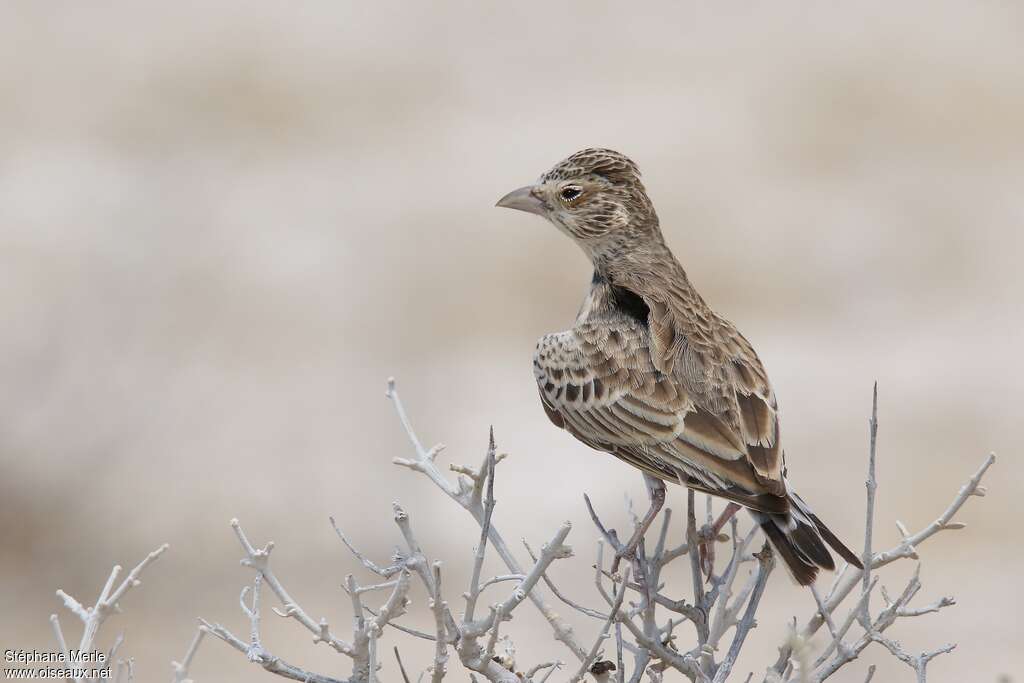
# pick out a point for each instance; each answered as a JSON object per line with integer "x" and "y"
{"x": 522, "y": 199}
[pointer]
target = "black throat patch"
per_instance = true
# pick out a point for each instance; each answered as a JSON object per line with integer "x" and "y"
{"x": 625, "y": 300}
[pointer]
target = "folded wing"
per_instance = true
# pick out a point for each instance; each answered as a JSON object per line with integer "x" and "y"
{"x": 600, "y": 382}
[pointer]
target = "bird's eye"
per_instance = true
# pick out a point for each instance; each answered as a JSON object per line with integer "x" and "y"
{"x": 571, "y": 193}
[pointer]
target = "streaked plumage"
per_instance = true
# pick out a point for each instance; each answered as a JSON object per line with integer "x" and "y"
{"x": 650, "y": 373}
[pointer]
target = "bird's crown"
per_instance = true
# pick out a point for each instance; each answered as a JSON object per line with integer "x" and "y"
{"x": 606, "y": 163}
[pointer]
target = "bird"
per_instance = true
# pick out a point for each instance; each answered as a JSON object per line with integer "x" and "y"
{"x": 651, "y": 374}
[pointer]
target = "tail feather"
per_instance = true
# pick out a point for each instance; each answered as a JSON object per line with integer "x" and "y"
{"x": 802, "y": 570}
{"x": 800, "y": 538}
{"x": 809, "y": 542}
{"x": 836, "y": 544}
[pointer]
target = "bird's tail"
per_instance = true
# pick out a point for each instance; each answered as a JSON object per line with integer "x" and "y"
{"x": 801, "y": 538}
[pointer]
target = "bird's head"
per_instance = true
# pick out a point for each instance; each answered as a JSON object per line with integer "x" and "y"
{"x": 595, "y": 196}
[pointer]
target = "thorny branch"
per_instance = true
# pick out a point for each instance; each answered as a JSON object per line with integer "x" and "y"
{"x": 468, "y": 492}
{"x": 640, "y": 619}
{"x": 93, "y": 617}
{"x": 843, "y": 652}
{"x": 646, "y": 628}
{"x": 714, "y": 610}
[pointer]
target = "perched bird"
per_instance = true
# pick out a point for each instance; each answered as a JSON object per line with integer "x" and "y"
{"x": 652, "y": 375}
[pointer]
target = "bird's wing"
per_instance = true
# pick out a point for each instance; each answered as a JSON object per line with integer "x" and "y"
{"x": 599, "y": 381}
{"x": 720, "y": 370}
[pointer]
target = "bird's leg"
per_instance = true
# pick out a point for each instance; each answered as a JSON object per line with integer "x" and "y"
{"x": 708, "y": 536}
{"x": 656, "y": 492}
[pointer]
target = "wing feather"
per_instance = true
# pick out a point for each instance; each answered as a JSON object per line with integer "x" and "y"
{"x": 722, "y": 373}
{"x": 601, "y": 382}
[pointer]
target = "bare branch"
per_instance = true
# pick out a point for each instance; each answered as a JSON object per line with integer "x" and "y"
{"x": 725, "y": 615}
{"x": 269, "y": 662}
{"x": 558, "y": 594}
{"x": 646, "y": 626}
{"x": 554, "y": 549}
{"x": 259, "y": 560}
{"x": 181, "y": 668}
{"x": 613, "y": 617}
{"x": 439, "y": 608}
{"x": 386, "y": 572}
{"x": 401, "y": 667}
{"x": 919, "y": 663}
{"x": 871, "y": 485}
{"x": 695, "y": 570}
{"x": 539, "y": 667}
{"x": 906, "y": 548}
{"x": 425, "y": 463}
{"x": 485, "y": 528}
{"x": 765, "y": 564}
{"x": 846, "y": 653}
{"x": 106, "y": 604}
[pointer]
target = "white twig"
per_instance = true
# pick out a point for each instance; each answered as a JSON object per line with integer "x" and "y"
{"x": 871, "y": 485}
{"x": 401, "y": 666}
{"x": 907, "y": 548}
{"x": 269, "y": 662}
{"x": 720, "y": 603}
{"x": 765, "y": 564}
{"x": 558, "y": 594}
{"x": 613, "y": 617}
{"x": 725, "y": 614}
{"x": 372, "y": 648}
{"x": 919, "y": 663}
{"x": 439, "y": 608}
{"x": 107, "y": 603}
{"x": 469, "y": 499}
{"x": 125, "y": 671}
{"x": 549, "y": 552}
{"x": 386, "y": 572}
{"x": 181, "y": 668}
{"x": 485, "y": 528}
{"x": 846, "y": 653}
{"x": 59, "y": 635}
{"x": 837, "y": 637}
{"x": 539, "y": 667}
{"x": 259, "y": 560}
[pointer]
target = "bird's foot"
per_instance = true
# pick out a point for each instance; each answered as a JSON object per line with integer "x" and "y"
{"x": 709, "y": 535}
{"x": 656, "y": 490}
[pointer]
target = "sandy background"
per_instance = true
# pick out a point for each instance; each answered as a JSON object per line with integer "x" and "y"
{"x": 223, "y": 225}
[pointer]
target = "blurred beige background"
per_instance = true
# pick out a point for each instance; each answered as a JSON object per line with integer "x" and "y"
{"x": 223, "y": 225}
